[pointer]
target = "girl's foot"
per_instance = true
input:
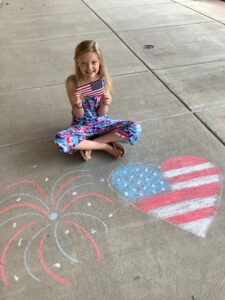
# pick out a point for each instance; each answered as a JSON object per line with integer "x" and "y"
{"x": 86, "y": 154}
{"x": 115, "y": 150}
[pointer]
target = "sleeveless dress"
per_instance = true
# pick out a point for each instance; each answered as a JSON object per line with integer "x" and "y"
{"x": 91, "y": 125}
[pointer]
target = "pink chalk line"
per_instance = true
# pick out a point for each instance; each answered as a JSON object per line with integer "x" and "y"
{"x": 177, "y": 196}
{"x": 35, "y": 185}
{"x": 65, "y": 184}
{"x": 193, "y": 216}
{"x": 54, "y": 276}
{"x": 83, "y": 196}
{"x": 5, "y": 249}
{"x": 192, "y": 175}
{"x": 89, "y": 236}
{"x": 36, "y": 207}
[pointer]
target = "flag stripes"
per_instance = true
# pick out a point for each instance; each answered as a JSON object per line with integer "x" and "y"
{"x": 195, "y": 187}
{"x": 94, "y": 88}
{"x": 177, "y": 196}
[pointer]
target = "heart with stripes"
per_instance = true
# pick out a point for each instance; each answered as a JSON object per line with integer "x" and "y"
{"x": 184, "y": 190}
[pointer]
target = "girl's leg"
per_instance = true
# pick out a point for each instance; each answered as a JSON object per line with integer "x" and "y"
{"x": 108, "y": 138}
{"x": 102, "y": 143}
{"x": 111, "y": 139}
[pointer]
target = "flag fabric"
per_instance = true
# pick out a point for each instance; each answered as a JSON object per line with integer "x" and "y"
{"x": 184, "y": 190}
{"x": 95, "y": 88}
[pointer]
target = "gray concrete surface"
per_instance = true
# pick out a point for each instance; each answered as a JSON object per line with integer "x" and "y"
{"x": 175, "y": 89}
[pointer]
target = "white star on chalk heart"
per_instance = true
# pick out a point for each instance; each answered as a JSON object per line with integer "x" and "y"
{"x": 184, "y": 190}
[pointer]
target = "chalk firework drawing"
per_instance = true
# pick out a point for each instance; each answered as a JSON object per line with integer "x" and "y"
{"x": 184, "y": 190}
{"x": 54, "y": 217}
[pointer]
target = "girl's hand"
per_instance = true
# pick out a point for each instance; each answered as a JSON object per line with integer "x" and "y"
{"x": 77, "y": 101}
{"x": 106, "y": 99}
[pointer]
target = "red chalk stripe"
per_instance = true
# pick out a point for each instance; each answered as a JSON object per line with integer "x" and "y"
{"x": 178, "y": 196}
{"x": 193, "y": 215}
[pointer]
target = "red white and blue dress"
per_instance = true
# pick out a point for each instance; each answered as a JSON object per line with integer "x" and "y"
{"x": 91, "y": 125}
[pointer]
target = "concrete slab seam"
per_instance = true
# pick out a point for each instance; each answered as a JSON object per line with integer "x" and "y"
{"x": 199, "y": 13}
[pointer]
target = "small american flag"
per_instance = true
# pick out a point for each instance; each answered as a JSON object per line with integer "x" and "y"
{"x": 94, "y": 88}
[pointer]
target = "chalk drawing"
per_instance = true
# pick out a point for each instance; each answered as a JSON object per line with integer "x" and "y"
{"x": 56, "y": 210}
{"x": 184, "y": 190}
{"x": 57, "y": 265}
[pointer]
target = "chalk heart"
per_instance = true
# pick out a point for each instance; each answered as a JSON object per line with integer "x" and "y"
{"x": 184, "y": 190}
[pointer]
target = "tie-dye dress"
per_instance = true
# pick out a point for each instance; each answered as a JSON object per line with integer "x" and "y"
{"x": 91, "y": 125}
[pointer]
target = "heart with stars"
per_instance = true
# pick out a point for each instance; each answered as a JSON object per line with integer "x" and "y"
{"x": 183, "y": 190}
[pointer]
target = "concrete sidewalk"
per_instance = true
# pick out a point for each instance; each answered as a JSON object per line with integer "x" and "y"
{"x": 150, "y": 227}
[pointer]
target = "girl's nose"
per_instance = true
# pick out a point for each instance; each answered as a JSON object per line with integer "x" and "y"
{"x": 89, "y": 66}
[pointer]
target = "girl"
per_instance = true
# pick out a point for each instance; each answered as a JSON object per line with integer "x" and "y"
{"x": 89, "y": 93}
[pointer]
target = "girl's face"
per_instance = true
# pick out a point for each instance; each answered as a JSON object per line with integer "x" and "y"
{"x": 89, "y": 65}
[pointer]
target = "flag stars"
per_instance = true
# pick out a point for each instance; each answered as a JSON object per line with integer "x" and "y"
{"x": 140, "y": 181}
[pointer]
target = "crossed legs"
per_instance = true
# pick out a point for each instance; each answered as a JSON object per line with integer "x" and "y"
{"x": 105, "y": 142}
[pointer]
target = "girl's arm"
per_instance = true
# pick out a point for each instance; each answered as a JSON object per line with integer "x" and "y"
{"x": 75, "y": 99}
{"x": 105, "y": 100}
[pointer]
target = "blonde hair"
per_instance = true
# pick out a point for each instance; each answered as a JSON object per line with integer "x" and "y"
{"x": 85, "y": 47}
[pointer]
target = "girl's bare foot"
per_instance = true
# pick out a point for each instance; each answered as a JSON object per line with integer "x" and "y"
{"x": 86, "y": 154}
{"x": 115, "y": 150}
